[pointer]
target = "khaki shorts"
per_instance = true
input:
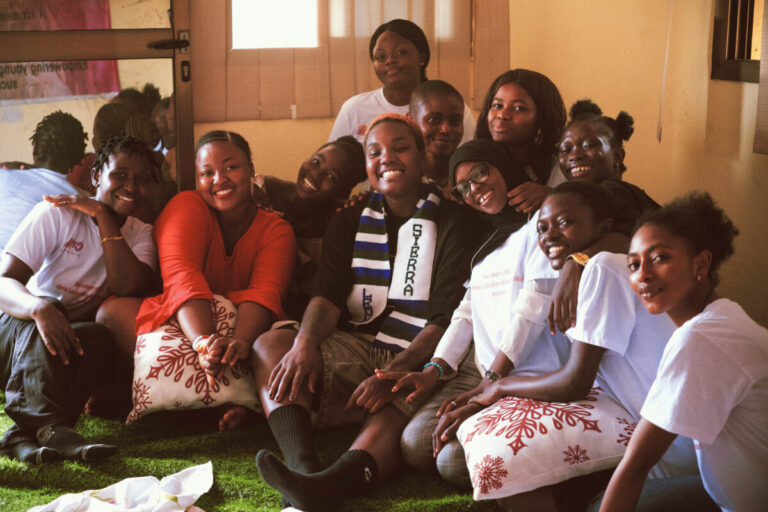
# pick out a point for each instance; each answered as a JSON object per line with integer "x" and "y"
{"x": 348, "y": 359}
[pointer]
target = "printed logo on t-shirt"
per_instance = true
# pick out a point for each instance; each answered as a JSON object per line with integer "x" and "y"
{"x": 362, "y": 129}
{"x": 73, "y": 246}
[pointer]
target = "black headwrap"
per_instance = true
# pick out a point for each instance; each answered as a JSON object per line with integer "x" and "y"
{"x": 508, "y": 220}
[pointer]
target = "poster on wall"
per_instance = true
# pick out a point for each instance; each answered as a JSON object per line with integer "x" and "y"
{"x": 35, "y": 81}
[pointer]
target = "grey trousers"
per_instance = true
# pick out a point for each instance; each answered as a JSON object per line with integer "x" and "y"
{"x": 416, "y": 440}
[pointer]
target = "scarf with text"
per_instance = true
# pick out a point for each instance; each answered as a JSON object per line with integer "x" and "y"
{"x": 404, "y": 288}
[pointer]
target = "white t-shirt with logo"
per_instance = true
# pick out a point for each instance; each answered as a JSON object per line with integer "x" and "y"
{"x": 361, "y": 109}
{"x": 505, "y": 309}
{"x": 63, "y": 248}
{"x": 611, "y": 316}
{"x": 712, "y": 386}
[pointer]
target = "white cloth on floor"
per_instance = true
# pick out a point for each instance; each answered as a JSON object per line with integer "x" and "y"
{"x": 177, "y": 492}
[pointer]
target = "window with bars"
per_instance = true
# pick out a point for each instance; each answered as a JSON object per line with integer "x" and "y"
{"x": 736, "y": 43}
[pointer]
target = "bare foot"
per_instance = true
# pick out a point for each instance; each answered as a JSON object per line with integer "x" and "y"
{"x": 235, "y": 417}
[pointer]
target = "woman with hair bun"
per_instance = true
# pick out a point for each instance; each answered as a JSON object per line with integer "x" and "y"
{"x": 400, "y": 54}
{"x": 591, "y": 150}
{"x": 712, "y": 383}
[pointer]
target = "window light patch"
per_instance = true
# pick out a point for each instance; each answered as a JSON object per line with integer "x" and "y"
{"x": 274, "y": 24}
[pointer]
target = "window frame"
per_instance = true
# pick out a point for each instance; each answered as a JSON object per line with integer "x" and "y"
{"x": 723, "y": 67}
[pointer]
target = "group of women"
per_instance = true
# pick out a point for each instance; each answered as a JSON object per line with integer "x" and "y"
{"x": 459, "y": 291}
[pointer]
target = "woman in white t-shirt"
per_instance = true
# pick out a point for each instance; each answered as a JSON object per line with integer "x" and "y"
{"x": 65, "y": 258}
{"x": 712, "y": 383}
{"x": 612, "y": 346}
{"x": 399, "y": 53}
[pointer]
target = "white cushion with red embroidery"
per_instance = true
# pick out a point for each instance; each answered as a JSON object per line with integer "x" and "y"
{"x": 167, "y": 374}
{"x": 518, "y": 444}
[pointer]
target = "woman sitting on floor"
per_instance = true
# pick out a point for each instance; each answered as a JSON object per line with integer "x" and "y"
{"x": 616, "y": 345}
{"x": 214, "y": 240}
{"x": 66, "y": 257}
{"x": 390, "y": 275}
{"x": 595, "y": 143}
{"x": 484, "y": 173}
{"x": 712, "y": 384}
{"x": 324, "y": 180}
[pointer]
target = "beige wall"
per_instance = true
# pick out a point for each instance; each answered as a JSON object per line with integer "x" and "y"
{"x": 278, "y": 146}
{"x": 613, "y": 52}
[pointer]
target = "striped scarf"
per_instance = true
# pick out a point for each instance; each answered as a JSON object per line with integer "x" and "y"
{"x": 404, "y": 289}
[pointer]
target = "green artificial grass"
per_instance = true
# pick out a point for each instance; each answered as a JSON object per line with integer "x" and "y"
{"x": 166, "y": 443}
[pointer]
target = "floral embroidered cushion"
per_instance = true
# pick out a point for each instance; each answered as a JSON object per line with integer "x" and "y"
{"x": 519, "y": 444}
{"x": 167, "y": 374}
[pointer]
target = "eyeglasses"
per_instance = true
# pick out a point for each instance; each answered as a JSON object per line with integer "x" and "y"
{"x": 477, "y": 176}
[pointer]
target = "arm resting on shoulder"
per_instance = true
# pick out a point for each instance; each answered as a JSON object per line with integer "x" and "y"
{"x": 646, "y": 447}
{"x": 562, "y": 311}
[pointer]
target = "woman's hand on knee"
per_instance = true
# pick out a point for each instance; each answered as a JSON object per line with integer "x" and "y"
{"x": 449, "y": 424}
{"x": 56, "y": 332}
{"x": 302, "y": 362}
{"x": 461, "y": 399}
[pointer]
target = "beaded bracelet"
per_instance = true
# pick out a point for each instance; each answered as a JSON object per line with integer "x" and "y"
{"x": 436, "y": 365}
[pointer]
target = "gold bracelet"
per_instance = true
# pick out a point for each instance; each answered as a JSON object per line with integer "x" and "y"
{"x": 112, "y": 238}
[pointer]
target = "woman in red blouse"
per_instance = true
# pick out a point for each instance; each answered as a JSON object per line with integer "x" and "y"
{"x": 213, "y": 240}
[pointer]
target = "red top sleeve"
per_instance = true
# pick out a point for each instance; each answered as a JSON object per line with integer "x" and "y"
{"x": 194, "y": 263}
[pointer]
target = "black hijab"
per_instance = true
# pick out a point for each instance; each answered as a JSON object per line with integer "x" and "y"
{"x": 508, "y": 220}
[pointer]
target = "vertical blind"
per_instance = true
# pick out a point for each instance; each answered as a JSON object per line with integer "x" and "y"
{"x": 761, "y": 124}
{"x": 232, "y": 85}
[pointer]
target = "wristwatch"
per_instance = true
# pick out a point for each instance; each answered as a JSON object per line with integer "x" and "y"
{"x": 492, "y": 375}
{"x": 579, "y": 257}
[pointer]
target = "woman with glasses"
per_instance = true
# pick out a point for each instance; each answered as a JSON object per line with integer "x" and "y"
{"x": 512, "y": 282}
{"x": 483, "y": 173}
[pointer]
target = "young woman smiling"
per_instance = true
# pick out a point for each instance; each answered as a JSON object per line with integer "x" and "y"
{"x": 712, "y": 384}
{"x": 390, "y": 275}
{"x": 324, "y": 180}
{"x": 591, "y": 150}
{"x": 68, "y": 255}
{"x": 438, "y": 109}
{"x": 483, "y": 173}
{"x": 614, "y": 344}
{"x": 213, "y": 240}
{"x": 400, "y": 54}
{"x": 523, "y": 111}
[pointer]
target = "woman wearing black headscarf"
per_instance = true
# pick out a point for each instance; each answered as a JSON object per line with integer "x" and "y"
{"x": 488, "y": 317}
